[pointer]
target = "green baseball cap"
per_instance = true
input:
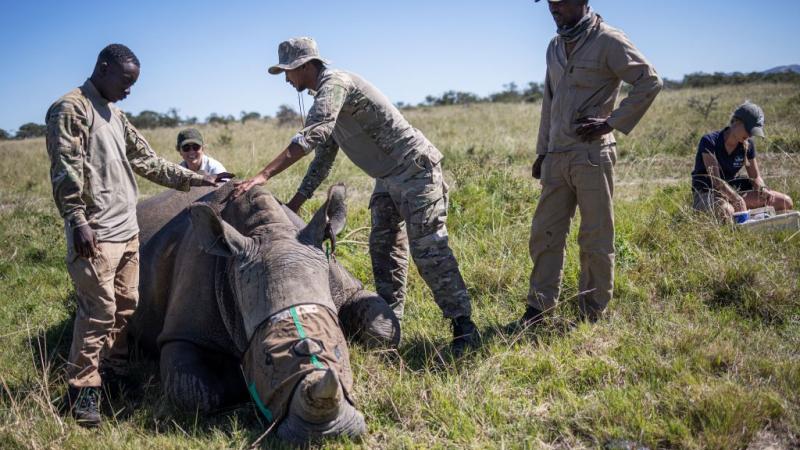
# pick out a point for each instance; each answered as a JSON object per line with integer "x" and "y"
{"x": 752, "y": 117}
{"x": 190, "y": 136}
{"x": 294, "y": 53}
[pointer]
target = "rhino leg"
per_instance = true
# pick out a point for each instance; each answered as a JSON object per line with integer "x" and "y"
{"x": 369, "y": 319}
{"x": 198, "y": 380}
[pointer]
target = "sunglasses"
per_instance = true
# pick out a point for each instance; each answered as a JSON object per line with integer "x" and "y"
{"x": 191, "y": 147}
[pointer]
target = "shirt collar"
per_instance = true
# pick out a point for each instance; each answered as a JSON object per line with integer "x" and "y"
{"x": 320, "y": 78}
{"x": 91, "y": 92}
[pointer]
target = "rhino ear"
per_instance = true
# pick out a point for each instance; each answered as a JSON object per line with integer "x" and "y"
{"x": 331, "y": 217}
{"x": 216, "y": 236}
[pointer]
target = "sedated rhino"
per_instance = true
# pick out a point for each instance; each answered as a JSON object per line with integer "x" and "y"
{"x": 239, "y": 299}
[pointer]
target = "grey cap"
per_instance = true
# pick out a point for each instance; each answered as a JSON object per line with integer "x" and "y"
{"x": 190, "y": 136}
{"x": 294, "y": 53}
{"x": 752, "y": 117}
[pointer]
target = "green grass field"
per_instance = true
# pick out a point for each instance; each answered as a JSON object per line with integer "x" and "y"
{"x": 700, "y": 347}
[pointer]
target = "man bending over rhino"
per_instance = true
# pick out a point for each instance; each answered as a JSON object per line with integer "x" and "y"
{"x": 94, "y": 152}
{"x": 409, "y": 203}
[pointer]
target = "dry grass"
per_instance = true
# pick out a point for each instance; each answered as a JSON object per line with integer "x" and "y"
{"x": 699, "y": 349}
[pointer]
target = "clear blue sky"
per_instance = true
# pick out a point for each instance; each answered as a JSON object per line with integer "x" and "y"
{"x": 203, "y": 56}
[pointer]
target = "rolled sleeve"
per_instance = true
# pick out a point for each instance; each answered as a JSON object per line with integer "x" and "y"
{"x": 319, "y": 169}
{"x": 626, "y": 62}
{"x": 322, "y": 117}
{"x": 148, "y": 164}
{"x": 67, "y": 136}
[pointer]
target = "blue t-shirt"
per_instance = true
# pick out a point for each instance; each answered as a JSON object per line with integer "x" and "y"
{"x": 729, "y": 163}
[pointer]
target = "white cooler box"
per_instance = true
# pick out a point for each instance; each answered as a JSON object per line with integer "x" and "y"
{"x": 789, "y": 220}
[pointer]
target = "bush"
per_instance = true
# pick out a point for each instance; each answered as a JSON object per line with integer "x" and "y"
{"x": 148, "y": 119}
{"x": 31, "y": 130}
{"x": 286, "y": 115}
{"x": 216, "y": 119}
{"x": 244, "y": 116}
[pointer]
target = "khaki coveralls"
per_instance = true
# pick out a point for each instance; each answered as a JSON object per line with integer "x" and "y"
{"x": 579, "y": 174}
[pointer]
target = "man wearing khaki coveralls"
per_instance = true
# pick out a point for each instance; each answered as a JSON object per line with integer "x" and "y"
{"x": 576, "y": 152}
{"x": 409, "y": 203}
{"x": 94, "y": 152}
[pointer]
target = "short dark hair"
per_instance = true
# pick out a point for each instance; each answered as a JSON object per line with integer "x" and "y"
{"x": 117, "y": 53}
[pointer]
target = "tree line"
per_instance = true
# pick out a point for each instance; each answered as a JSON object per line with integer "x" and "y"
{"x": 511, "y": 93}
{"x": 148, "y": 119}
{"x": 534, "y": 92}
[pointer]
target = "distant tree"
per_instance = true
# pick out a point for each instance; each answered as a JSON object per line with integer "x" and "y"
{"x": 31, "y": 130}
{"x": 286, "y": 115}
{"x": 509, "y": 94}
{"x": 244, "y": 116}
{"x": 190, "y": 121}
{"x": 533, "y": 93}
{"x": 4, "y": 135}
{"x": 145, "y": 119}
{"x": 453, "y": 98}
{"x": 171, "y": 118}
{"x": 152, "y": 119}
{"x": 458, "y": 98}
{"x": 216, "y": 119}
{"x": 699, "y": 79}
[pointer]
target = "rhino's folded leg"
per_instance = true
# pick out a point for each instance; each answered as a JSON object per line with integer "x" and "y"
{"x": 369, "y": 319}
{"x": 198, "y": 380}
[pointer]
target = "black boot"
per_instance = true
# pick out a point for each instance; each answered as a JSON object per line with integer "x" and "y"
{"x": 465, "y": 335}
{"x": 532, "y": 319}
{"x": 83, "y": 404}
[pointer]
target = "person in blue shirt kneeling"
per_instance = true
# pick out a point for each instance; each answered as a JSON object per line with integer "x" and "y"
{"x": 716, "y": 186}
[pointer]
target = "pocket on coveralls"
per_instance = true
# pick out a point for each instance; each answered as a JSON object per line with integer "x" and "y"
{"x": 599, "y": 167}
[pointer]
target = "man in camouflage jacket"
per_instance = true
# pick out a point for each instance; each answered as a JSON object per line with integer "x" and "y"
{"x": 409, "y": 203}
{"x": 94, "y": 152}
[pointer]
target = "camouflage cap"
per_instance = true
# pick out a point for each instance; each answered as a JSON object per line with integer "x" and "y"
{"x": 294, "y": 53}
{"x": 190, "y": 136}
{"x": 752, "y": 117}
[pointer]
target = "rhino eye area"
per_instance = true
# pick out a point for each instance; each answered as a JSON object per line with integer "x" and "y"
{"x": 308, "y": 347}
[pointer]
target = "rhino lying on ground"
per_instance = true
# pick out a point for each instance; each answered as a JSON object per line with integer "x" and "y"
{"x": 240, "y": 299}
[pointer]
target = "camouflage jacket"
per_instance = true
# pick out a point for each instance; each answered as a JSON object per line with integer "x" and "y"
{"x": 94, "y": 152}
{"x": 351, "y": 113}
{"x": 587, "y": 85}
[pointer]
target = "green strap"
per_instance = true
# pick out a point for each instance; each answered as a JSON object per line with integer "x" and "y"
{"x": 261, "y": 407}
{"x": 302, "y": 334}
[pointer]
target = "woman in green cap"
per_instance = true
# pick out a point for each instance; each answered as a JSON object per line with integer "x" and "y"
{"x": 720, "y": 157}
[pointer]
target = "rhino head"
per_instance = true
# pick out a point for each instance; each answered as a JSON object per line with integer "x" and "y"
{"x": 296, "y": 361}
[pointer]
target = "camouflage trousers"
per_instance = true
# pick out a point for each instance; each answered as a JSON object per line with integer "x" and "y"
{"x": 108, "y": 291}
{"x": 409, "y": 209}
